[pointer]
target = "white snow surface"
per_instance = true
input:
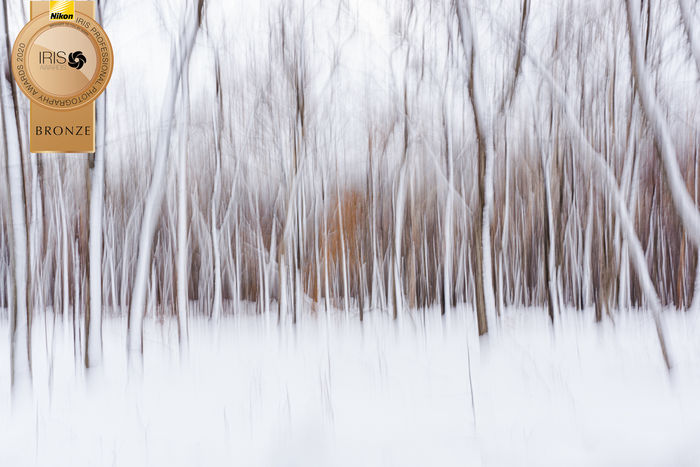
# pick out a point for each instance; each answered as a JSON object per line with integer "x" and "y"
{"x": 333, "y": 391}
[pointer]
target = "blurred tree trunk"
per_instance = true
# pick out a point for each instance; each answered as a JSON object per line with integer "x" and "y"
{"x": 93, "y": 312}
{"x": 182, "y": 49}
{"x": 448, "y": 228}
{"x": 181, "y": 269}
{"x": 20, "y": 348}
{"x": 549, "y": 251}
{"x": 216, "y": 196}
{"x": 485, "y": 300}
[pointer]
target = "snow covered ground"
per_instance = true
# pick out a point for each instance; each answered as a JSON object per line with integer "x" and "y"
{"x": 336, "y": 392}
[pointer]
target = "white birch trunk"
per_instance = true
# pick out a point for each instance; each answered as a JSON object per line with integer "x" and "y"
{"x": 216, "y": 310}
{"x": 344, "y": 263}
{"x": 94, "y": 342}
{"x": 449, "y": 228}
{"x": 482, "y": 117}
{"x": 551, "y": 259}
{"x": 182, "y": 221}
{"x": 326, "y": 278}
{"x": 216, "y": 249}
{"x": 156, "y": 191}
{"x": 399, "y": 202}
{"x": 19, "y": 313}
{"x": 503, "y": 274}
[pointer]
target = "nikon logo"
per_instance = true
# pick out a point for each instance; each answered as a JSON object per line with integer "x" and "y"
{"x": 61, "y": 11}
{"x": 61, "y": 16}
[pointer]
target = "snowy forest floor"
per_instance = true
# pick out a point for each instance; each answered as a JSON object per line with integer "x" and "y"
{"x": 332, "y": 391}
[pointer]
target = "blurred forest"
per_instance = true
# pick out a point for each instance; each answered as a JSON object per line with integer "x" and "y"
{"x": 370, "y": 156}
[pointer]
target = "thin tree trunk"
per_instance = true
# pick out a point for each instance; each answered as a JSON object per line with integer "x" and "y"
{"x": 20, "y": 351}
{"x": 550, "y": 268}
{"x": 485, "y": 300}
{"x": 181, "y": 270}
{"x": 93, "y": 315}
{"x": 216, "y": 201}
{"x": 93, "y": 353}
{"x": 448, "y": 223}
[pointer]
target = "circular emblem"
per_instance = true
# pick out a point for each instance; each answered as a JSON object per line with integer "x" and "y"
{"x": 62, "y": 65}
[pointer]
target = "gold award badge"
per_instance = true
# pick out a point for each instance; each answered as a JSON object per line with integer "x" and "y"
{"x": 62, "y": 60}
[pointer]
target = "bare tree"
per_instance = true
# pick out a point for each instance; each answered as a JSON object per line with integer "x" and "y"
{"x": 682, "y": 201}
{"x": 485, "y": 300}
{"x": 93, "y": 315}
{"x": 181, "y": 269}
{"x": 182, "y": 49}
{"x": 20, "y": 350}
{"x": 549, "y": 238}
{"x": 609, "y": 182}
